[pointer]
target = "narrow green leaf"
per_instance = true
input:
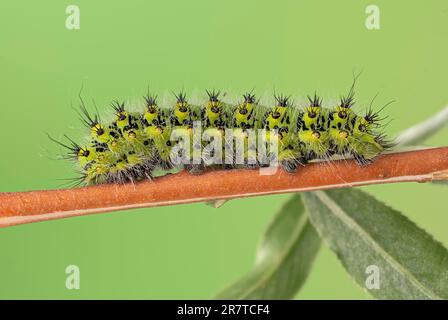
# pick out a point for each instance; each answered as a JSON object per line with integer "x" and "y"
{"x": 385, "y": 252}
{"x": 283, "y": 260}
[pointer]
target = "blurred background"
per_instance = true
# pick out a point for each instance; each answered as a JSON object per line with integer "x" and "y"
{"x": 193, "y": 251}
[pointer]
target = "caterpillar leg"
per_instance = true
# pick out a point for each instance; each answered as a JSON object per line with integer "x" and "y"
{"x": 289, "y": 166}
{"x": 141, "y": 172}
{"x": 310, "y": 155}
{"x": 194, "y": 169}
{"x": 166, "y": 164}
{"x": 251, "y": 165}
{"x": 361, "y": 161}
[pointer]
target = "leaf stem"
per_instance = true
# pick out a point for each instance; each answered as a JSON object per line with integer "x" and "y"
{"x": 33, "y": 206}
{"x": 423, "y": 130}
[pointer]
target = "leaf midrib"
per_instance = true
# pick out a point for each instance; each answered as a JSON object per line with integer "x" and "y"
{"x": 344, "y": 217}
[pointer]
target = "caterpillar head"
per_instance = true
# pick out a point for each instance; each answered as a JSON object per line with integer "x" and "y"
{"x": 368, "y": 129}
{"x": 365, "y": 146}
{"x": 365, "y": 142}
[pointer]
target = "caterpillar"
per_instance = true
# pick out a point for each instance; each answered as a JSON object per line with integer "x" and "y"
{"x": 245, "y": 134}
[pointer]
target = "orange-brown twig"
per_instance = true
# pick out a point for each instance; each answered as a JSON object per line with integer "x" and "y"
{"x": 25, "y": 207}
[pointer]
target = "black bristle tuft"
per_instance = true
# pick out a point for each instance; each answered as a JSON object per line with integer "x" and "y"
{"x": 213, "y": 96}
{"x": 249, "y": 97}
{"x": 181, "y": 97}
{"x": 349, "y": 100}
{"x": 72, "y": 147}
{"x": 151, "y": 100}
{"x": 117, "y": 106}
{"x": 85, "y": 116}
{"x": 282, "y": 100}
{"x": 315, "y": 101}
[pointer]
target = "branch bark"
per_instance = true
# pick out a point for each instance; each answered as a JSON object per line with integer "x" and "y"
{"x": 33, "y": 206}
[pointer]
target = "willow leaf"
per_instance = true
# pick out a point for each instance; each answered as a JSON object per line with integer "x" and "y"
{"x": 385, "y": 252}
{"x": 284, "y": 257}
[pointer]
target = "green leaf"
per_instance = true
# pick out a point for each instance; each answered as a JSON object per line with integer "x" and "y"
{"x": 284, "y": 257}
{"x": 368, "y": 236}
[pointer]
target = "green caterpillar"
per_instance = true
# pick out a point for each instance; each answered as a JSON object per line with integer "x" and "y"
{"x": 133, "y": 144}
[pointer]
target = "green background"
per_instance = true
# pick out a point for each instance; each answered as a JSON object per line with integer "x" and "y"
{"x": 192, "y": 251}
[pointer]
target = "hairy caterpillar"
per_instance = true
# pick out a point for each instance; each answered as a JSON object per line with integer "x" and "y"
{"x": 133, "y": 144}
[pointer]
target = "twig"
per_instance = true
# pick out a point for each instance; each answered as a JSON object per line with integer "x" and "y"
{"x": 25, "y": 207}
{"x": 418, "y": 133}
